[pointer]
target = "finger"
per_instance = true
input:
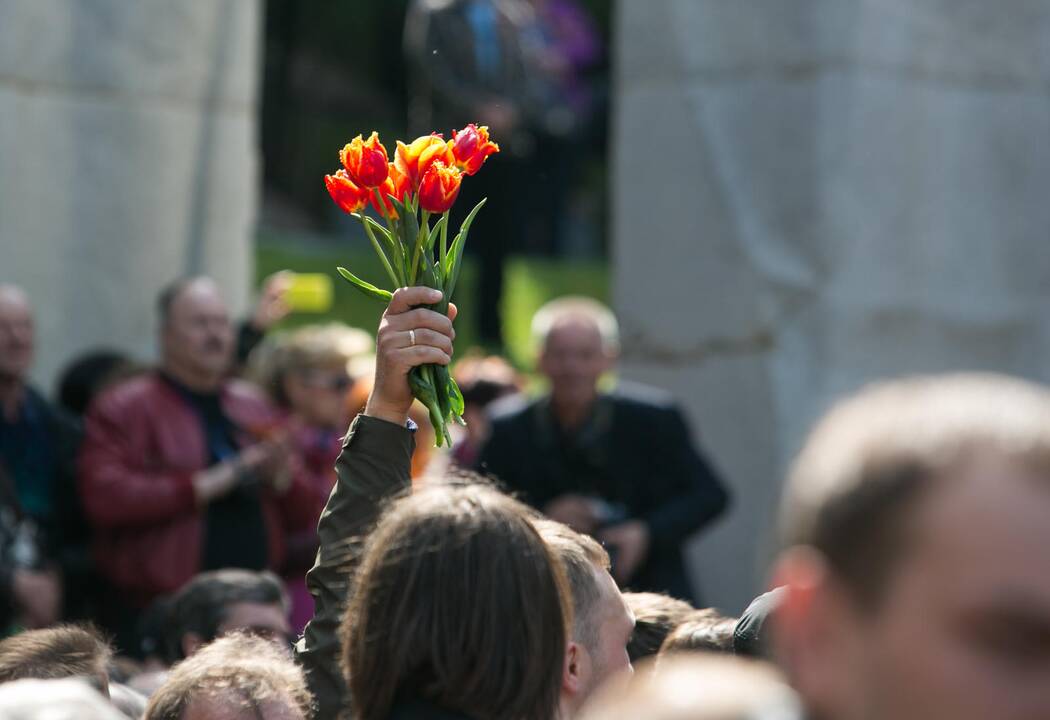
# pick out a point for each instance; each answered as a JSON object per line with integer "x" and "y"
{"x": 453, "y": 311}
{"x": 425, "y": 337}
{"x": 420, "y": 355}
{"x": 421, "y": 318}
{"x": 408, "y": 297}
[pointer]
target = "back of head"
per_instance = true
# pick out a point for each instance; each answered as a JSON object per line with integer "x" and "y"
{"x": 655, "y": 616}
{"x": 459, "y": 603}
{"x": 88, "y": 375}
{"x": 64, "y": 651}
{"x": 201, "y": 606}
{"x": 704, "y": 630}
{"x": 66, "y": 699}
{"x": 234, "y": 673}
{"x": 698, "y": 688}
{"x": 875, "y": 453}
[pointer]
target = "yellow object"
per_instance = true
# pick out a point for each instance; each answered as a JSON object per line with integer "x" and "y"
{"x": 309, "y": 293}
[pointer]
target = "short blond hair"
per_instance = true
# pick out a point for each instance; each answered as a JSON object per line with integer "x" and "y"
{"x": 582, "y": 557}
{"x": 239, "y": 669}
{"x": 576, "y": 307}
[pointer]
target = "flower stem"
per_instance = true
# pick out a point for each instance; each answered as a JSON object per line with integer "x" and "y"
{"x": 379, "y": 251}
{"x": 424, "y": 231}
{"x": 444, "y": 243}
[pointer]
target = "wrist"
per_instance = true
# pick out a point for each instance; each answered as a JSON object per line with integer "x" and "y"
{"x": 385, "y": 411}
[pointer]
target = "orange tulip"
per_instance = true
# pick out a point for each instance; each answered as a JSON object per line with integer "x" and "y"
{"x": 346, "y": 194}
{"x": 439, "y": 187}
{"x": 414, "y": 160}
{"x": 396, "y": 184}
{"x": 365, "y": 160}
{"x": 471, "y": 146}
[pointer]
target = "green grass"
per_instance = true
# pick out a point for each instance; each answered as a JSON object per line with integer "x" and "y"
{"x": 530, "y": 282}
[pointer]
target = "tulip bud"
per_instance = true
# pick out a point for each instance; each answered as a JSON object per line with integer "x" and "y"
{"x": 470, "y": 147}
{"x": 365, "y": 161}
{"x": 415, "y": 159}
{"x": 346, "y": 194}
{"x": 439, "y": 187}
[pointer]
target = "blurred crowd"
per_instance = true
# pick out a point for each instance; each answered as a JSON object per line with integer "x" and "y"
{"x": 205, "y": 539}
{"x": 170, "y": 505}
{"x": 258, "y": 525}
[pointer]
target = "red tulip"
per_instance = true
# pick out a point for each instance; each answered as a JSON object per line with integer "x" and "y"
{"x": 439, "y": 187}
{"x": 471, "y": 146}
{"x": 415, "y": 159}
{"x": 365, "y": 160}
{"x": 346, "y": 194}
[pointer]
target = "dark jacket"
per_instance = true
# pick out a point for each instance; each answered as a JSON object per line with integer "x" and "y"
{"x": 143, "y": 444}
{"x": 635, "y": 452}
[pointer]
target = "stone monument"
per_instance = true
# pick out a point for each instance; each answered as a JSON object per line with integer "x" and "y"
{"x": 129, "y": 158}
{"x": 812, "y": 194}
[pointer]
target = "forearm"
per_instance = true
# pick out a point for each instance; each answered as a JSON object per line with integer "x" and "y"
{"x": 374, "y": 465}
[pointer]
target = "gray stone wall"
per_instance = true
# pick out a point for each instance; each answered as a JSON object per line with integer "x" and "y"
{"x": 127, "y": 158}
{"x": 811, "y": 194}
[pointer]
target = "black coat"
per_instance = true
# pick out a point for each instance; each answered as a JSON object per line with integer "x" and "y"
{"x": 635, "y": 452}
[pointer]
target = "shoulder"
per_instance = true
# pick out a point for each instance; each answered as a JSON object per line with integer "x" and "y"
{"x": 131, "y": 404}
{"x": 636, "y": 397}
{"x": 133, "y": 391}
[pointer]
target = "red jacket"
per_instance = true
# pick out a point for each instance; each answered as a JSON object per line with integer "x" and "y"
{"x": 142, "y": 446}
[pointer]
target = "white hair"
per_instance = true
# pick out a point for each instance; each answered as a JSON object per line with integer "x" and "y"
{"x": 576, "y": 307}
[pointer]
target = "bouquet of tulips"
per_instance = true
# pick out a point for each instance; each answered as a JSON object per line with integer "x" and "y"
{"x": 420, "y": 184}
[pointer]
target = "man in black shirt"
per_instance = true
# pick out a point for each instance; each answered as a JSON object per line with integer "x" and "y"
{"x": 620, "y": 466}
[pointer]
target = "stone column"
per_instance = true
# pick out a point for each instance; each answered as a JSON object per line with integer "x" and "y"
{"x": 129, "y": 158}
{"x": 814, "y": 194}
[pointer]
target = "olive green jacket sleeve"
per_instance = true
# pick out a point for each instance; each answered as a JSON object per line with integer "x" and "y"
{"x": 374, "y": 465}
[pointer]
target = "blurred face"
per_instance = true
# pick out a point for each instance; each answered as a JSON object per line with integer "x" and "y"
{"x": 573, "y": 359}
{"x": 197, "y": 340}
{"x": 16, "y": 334}
{"x": 318, "y": 395}
{"x": 266, "y": 621}
{"x": 964, "y": 630}
{"x": 609, "y": 657}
